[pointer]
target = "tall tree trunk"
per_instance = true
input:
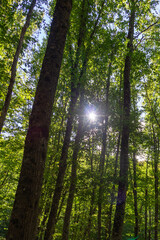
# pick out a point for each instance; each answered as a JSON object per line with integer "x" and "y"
{"x": 74, "y": 96}
{"x": 150, "y": 223}
{"x": 91, "y": 211}
{"x": 48, "y": 191}
{"x": 14, "y": 66}
{"x": 63, "y": 160}
{"x": 136, "y": 227}
{"x": 123, "y": 181}
{"x": 25, "y": 210}
{"x": 146, "y": 202}
{"x": 156, "y": 184}
{"x": 73, "y": 174}
{"x": 103, "y": 153}
{"x": 109, "y": 222}
{"x": 62, "y": 168}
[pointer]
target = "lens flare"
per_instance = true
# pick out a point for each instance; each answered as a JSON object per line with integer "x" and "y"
{"x": 92, "y": 116}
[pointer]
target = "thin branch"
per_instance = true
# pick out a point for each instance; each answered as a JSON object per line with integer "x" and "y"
{"x": 3, "y": 182}
{"x": 142, "y": 38}
{"x": 147, "y": 28}
{"x": 97, "y": 20}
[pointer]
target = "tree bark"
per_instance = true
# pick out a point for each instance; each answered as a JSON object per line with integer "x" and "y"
{"x": 73, "y": 175}
{"x": 25, "y": 210}
{"x": 123, "y": 181}
{"x": 14, "y": 66}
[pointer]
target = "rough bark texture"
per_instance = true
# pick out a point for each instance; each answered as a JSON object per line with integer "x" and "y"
{"x": 14, "y": 66}
{"x": 72, "y": 188}
{"x": 122, "y": 188}
{"x": 24, "y": 215}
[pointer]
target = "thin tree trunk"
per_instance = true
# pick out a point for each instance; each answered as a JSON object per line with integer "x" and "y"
{"x": 25, "y": 210}
{"x": 109, "y": 225}
{"x": 146, "y": 203}
{"x": 103, "y": 153}
{"x": 62, "y": 168}
{"x": 61, "y": 204}
{"x": 150, "y": 223}
{"x": 73, "y": 175}
{"x": 136, "y": 227}
{"x": 123, "y": 182}
{"x": 109, "y": 222}
{"x": 156, "y": 185}
{"x": 91, "y": 211}
{"x": 14, "y": 66}
{"x": 48, "y": 190}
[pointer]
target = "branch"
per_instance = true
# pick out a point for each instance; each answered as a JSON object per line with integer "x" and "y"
{"x": 142, "y": 38}
{"x": 97, "y": 20}
{"x": 147, "y": 28}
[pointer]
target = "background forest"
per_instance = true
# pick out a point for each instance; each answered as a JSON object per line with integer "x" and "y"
{"x": 101, "y": 175}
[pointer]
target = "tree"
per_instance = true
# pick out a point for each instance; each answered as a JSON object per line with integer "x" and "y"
{"x": 25, "y": 210}
{"x": 14, "y": 66}
{"x": 73, "y": 177}
{"x": 103, "y": 152}
{"x": 75, "y": 89}
{"x": 123, "y": 181}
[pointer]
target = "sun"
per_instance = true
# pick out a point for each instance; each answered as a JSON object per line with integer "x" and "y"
{"x": 92, "y": 116}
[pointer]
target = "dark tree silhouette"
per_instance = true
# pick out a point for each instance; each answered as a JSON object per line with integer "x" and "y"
{"x": 25, "y": 210}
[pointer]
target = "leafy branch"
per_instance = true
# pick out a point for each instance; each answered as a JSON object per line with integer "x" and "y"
{"x": 146, "y": 29}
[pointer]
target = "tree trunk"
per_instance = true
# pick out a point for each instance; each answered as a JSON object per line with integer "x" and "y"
{"x": 150, "y": 223}
{"x": 136, "y": 228}
{"x": 156, "y": 157}
{"x": 109, "y": 222}
{"x": 146, "y": 202}
{"x": 73, "y": 175}
{"x": 123, "y": 181}
{"x": 62, "y": 168}
{"x": 63, "y": 160}
{"x": 91, "y": 211}
{"x": 14, "y": 66}
{"x": 103, "y": 153}
{"x": 25, "y": 210}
